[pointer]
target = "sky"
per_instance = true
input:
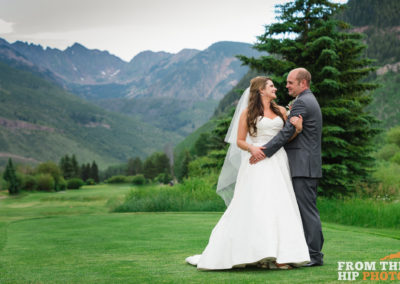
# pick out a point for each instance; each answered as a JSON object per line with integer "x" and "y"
{"x": 127, "y": 27}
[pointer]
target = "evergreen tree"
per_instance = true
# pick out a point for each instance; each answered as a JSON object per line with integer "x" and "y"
{"x": 185, "y": 165}
{"x": 85, "y": 172}
{"x": 307, "y": 35}
{"x": 202, "y": 144}
{"x": 66, "y": 167}
{"x": 75, "y": 167}
{"x": 94, "y": 172}
{"x": 217, "y": 138}
{"x": 161, "y": 163}
{"x": 135, "y": 166}
{"x": 11, "y": 178}
{"x": 149, "y": 169}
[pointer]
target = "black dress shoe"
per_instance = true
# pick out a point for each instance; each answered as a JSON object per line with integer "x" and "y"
{"x": 314, "y": 263}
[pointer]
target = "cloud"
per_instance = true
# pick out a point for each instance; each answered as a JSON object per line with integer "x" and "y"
{"x": 6, "y": 27}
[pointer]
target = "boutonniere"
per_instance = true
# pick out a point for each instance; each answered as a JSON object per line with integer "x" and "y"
{"x": 289, "y": 107}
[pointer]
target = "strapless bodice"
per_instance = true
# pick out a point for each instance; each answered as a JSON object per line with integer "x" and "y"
{"x": 267, "y": 128}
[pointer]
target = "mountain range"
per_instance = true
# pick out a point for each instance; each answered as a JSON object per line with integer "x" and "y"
{"x": 175, "y": 92}
{"x": 49, "y": 97}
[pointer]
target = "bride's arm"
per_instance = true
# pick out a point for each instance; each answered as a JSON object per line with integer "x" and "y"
{"x": 241, "y": 138}
{"x": 296, "y": 121}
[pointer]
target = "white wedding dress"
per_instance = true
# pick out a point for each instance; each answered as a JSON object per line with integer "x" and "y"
{"x": 262, "y": 223}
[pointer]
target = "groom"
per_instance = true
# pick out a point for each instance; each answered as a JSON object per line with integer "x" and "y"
{"x": 304, "y": 154}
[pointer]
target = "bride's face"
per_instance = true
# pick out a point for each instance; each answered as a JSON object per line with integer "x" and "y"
{"x": 269, "y": 90}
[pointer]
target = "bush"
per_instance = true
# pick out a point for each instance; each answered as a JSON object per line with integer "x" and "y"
{"x": 163, "y": 178}
{"x": 62, "y": 184}
{"x": 29, "y": 183}
{"x": 139, "y": 180}
{"x": 117, "y": 179}
{"x": 3, "y": 183}
{"x": 387, "y": 152}
{"x": 90, "y": 181}
{"x": 75, "y": 183}
{"x": 396, "y": 158}
{"x": 50, "y": 168}
{"x": 389, "y": 175}
{"x": 45, "y": 182}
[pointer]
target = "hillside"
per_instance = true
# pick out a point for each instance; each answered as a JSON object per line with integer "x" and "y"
{"x": 378, "y": 20}
{"x": 174, "y": 92}
{"x": 40, "y": 121}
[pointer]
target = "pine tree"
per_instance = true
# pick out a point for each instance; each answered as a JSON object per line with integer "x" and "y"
{"x": 85, "y": 172}
{"x": 161, "y": 163}
{"x": 185, "y": 165}
{"x": 149, "y": 169}
{"x": 75, "y": 167}
{"x": 306, "y": 35}
{"x": 135, "y": 166}
{"x": 94, "y": 172}
{"x": 11, "y": 178}
{"x": 66, "y": 167}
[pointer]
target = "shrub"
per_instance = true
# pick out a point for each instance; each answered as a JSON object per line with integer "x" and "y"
{"x": 29, "y": 183}
{"x": 163, "y": 178}
{"x": 139, "y": 179}
{"x": 389, "y": 175}
{"x": 387, "y": 152}
{"x": 62, "y": 184}
{"x": 50, "y": 168}
{"x": 396, "y": 158}
{"x": 3, "y": 183}
{"x": 74, "y": 183}
{"x": 117, "y": 179}
{"x": 45, "y": 182}
{"x": 90, "y": 181}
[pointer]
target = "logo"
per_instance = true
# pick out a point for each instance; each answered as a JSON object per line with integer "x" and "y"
{"x": 391, "y": 256}
{"x": 371, "y": 271}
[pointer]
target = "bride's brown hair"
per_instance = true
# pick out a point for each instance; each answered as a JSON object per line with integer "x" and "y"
{"x": 255, "y": 108}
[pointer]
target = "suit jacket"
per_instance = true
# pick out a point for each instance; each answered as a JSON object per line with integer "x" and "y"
{"x": 304, "y": 152}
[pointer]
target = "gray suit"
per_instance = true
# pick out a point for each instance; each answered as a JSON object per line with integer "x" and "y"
{"x": 304, "y": 154}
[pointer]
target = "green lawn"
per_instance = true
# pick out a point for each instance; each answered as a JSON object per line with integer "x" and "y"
{"x": 72, "y": 238}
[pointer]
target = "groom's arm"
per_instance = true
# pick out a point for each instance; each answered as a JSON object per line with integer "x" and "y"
{"x": 287, "y": 131}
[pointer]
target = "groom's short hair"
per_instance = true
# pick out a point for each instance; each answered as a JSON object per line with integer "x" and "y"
{"x": 303, "y": 74}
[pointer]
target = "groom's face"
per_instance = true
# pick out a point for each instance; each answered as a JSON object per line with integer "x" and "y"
{"x": 293, "y": 85}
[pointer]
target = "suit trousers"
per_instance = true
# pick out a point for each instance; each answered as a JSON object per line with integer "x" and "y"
{"x": 306, "y": 195}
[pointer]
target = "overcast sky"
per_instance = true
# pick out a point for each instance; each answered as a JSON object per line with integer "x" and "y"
{"x": 127, "y": 27}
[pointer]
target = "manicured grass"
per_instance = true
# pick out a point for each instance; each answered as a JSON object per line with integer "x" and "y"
{"x": 74, "y": 239}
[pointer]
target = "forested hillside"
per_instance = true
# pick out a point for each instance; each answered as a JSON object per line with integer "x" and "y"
{"x": 39, "y": 121}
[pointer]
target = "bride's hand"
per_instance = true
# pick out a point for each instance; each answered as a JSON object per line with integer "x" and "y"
{"x": 297, "y": 122}
{"x": 256, "y": 153}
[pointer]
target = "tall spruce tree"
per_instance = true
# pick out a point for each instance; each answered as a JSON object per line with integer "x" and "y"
{"x": 306, "y": 35}
{"x": 85, "y": 172}
{"x": 11, "y": 178}
{"x": 75, "y": 167}
{"x": 66, "y": 167}
{"x": 94, "y": 172}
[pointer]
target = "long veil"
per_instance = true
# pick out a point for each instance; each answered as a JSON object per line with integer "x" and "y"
{"x": 233, "y": 159}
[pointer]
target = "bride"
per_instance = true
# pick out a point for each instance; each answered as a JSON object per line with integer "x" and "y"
{"x": 262, "y": 224}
